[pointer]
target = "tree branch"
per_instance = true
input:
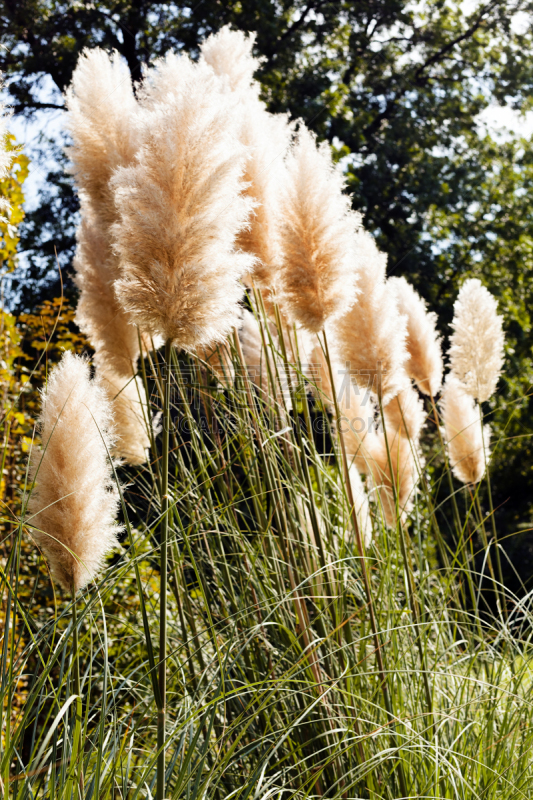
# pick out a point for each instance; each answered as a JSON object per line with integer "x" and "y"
{"x": 311, "y": 6}
{"x": 417, "y": 79}
{"x": 35, "y": 105}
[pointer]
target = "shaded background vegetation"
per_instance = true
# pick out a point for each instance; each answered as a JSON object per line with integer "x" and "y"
{"x": 397, "y": 88}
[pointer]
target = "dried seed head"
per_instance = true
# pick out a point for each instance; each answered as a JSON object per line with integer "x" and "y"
{"x": 74, "y": 504}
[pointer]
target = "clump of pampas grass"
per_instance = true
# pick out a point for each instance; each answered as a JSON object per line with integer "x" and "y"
{"x": 73, "y": 506}
{"x": 267, "y": 136}
{"x": 477, "y": 341}
{"x": 371, "y": 337}
{"x": 318, "y": 277}
{"x": 424, "y": 363}
{"x": 180, "y": 210}
{"x": 467, "y": 441}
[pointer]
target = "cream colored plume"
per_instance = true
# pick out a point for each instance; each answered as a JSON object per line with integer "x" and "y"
{"x": 229, "y": 53}
{"x": 318, "y": 278}
{"x": 404, "y": 418}
{"x": 101, "y": 120}
{"x": 102, "y": 114}
{"x": 424, "y": 363}
{"x": 467, "y": 441}
{"x": 98, "y": 313}
{"x": 268, "y": 138}
{"x": 74, "y": 504}
{"x": 477, "y": 341}
{"x": 371, "y": 336}
{"x": 127, "y": 401}
{"x": 181, "y": 209}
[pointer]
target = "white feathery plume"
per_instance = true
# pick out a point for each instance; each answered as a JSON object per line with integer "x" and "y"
{"x": 467, "y": 442}
{"x": 229, "y": 53}
{"x": 127, "y": 401}
{"x": 424, "y": 363}
{"x": 268, "y": 138}
{"x": 181, "y": 209}
{"x": 73, "y": 504}
{"x": 371, "y": 336}
{"x": 477, "y": 341}
{"x": 98, "y": 313}
{"x": 102, "y": 113}
{"x": 405, "y": 415}
{"x": 318, "y": 277}
{"x": 101, "y": 120}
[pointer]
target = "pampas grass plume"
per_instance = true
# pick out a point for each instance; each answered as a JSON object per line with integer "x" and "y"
{"x": 468, "y": 443}
{"x": 318, "y": 278}
{"x": 267, "y": 136}
{"x": 101, "y": 120}
{"x": 404, "y": 418}
{"x": 424, "y": 363}
{"x": 477, "y": 341}
{"x": 102, "y": 114}
{"x": 73, "y": 506}
{"x": 98, "y": 312}
{"x": 181, "y": 208}
{"x": 371, "y": 336}
{"x": 127, "y": 400}
{"x": 229, "y": 53}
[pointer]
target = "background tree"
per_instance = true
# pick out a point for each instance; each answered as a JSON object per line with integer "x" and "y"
{"x": 397, "y": 88}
